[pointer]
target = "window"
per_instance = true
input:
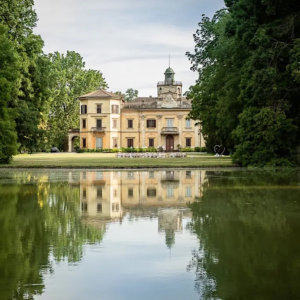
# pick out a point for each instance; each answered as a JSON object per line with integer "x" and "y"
{"x": 151, "y": 174}
{"x": 188, "y": 142}
{"x": 99, "y": 175}
{"x": 83, "y": 109}
{"x": 115, "y": 142}
{"x": 99, "y": 123}
{"x": 83, "y": 123}
{"x": 130, "y": 123}
{"x": 130, "y": 142}
{"x": 99, "y": 192}
{"x": 170, "y": 122}
{"x": 170, "y": 191}
{"x": 130, "y": 175}
{"x": 99, "y": 207}
{"x": 84, "y": 206}
{"x": 84, "y": 193}
{"x": 188, "y": 174}
{"x": 151, "y": 192}
{"x": 151, "y": 142}
{"x": 188, "y": 191}
{"x": 115, "y": 207}
{"x": 115, "y": 123}
{"x": 115, "y": 193}
{"x": 130, "y": 192}
{"x": 99, "y": 108}
{"x": 151, "y": 123}
{"x": 188, "y": 123}
{"x": 115, "y": 109}
{"x": 84, "y": 142}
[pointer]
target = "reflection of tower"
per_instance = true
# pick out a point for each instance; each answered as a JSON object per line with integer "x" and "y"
{"x": 170, "y": 221}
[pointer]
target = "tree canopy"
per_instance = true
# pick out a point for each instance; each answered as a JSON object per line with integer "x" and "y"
{"x": 130, "y": 94}
{"x": 38, "y": 96}
{"x": 246, "y": 96}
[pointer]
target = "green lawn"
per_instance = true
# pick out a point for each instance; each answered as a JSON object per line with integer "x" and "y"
{"x": 109, "y": 160}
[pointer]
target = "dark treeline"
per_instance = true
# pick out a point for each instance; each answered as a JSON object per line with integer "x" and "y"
{"x": 38, "y": 91}
{"x": 247, "y": 94}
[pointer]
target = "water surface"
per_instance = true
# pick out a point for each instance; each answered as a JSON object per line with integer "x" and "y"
{"x": 182, "y": 234}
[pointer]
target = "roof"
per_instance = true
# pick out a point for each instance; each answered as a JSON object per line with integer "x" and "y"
{"x": 100, "y": 94}
{"x": 169, "y": 71}
{"x": 155, "y": 103}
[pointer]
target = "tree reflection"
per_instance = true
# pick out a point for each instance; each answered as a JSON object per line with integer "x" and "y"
{"x": 38, "y": 220}
{"x": 248, "y": 229}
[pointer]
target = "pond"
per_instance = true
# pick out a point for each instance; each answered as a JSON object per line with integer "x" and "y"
{"x": 160, "y": 234}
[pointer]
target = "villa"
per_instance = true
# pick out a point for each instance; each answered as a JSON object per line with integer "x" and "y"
{"x": 162, "y": 122}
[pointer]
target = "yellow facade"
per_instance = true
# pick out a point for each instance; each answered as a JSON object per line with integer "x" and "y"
{"x": 109, "y": 194}
{"x": 107, "y": 122}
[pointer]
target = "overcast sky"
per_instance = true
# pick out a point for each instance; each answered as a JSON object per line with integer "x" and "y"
{"x": 129, "y": 41}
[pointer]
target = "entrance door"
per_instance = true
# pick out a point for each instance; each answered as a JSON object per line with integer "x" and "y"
{"x": 99, "y": 143}
{"x": 169, "y": 143}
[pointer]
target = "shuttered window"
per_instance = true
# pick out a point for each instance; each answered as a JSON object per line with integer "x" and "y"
{"x": 83, "y": 109}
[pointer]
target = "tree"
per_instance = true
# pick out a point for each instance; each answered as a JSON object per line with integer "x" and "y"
{"x": 130, "y": 94}
{"x": 20, "y": 18}
{"x": 68, "y": 80}
{"x": 9, "y": 82}
{"x": 248, "y": 62}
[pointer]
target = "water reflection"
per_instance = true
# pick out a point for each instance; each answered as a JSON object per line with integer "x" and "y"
{"x": 48, "y": 216}
{"x": 248, "y": 228}
{"x": 109, "y": 195}
{"x": 238, "y": 237}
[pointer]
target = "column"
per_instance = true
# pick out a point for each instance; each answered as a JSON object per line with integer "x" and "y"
{"x": 180, "y": 129}
{"x": 142, "y": 131}
{"x": 159, "y": 128}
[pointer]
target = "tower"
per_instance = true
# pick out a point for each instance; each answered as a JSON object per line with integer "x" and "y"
{"x": 169, "y": 88}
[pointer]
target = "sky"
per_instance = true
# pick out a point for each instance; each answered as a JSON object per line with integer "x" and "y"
{"x": 129, "y": 41}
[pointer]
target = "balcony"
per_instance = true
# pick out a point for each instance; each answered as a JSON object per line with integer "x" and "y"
{"x": 98, "y": 129}
{"x": 169, "y": 130}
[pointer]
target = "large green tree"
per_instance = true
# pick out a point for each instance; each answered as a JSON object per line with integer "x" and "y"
{"x": 20, "y": 18}
{"x": 69, "y": 80}
{"x": 248, "y": 88}
{"x": 9, "y": 82}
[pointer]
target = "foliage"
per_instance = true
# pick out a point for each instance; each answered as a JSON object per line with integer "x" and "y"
{"x": 28, "y": 106}
{"x": 9, "y": 81}
{"x": 68, "y": 80}
{"x": 246, "y": 96}
{"x": 130, "y": 94}
{"x": 44, "y": 102}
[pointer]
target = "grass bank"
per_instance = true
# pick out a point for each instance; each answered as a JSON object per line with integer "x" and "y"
{"x": 108, "y": 160}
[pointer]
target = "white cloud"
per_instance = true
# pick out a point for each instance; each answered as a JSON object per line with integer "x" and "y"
{"x": 128, "y": 40}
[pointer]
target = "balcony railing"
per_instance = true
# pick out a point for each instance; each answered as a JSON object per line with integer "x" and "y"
{"x": 98, "y": 129}
{"x": 169, "y": 130}
{"x": 173, "y": 83}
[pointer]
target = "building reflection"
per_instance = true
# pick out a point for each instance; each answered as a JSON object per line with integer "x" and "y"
{"x": 107, "y": 196}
